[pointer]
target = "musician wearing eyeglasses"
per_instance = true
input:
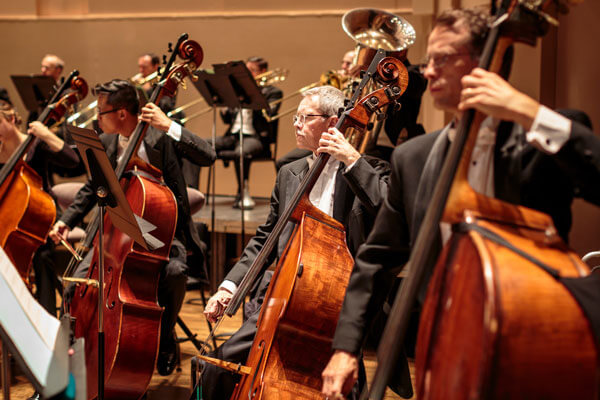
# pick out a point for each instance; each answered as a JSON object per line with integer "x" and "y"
{"x": 350, "y": 188}
{"x": 164, "y": 145}
{"x": 524, "y": 154}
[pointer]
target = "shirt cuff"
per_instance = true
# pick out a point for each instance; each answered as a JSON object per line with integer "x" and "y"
{"x": 228, "y": 285}
{"x": 175, "y": 131}
{"x": 349, "y": 167}
{"x": 549, "y": 132}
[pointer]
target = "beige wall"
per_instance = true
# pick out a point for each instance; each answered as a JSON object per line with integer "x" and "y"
{"x": 104, "y": 38}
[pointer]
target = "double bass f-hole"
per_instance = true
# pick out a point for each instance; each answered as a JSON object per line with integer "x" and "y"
{"x": 252, "y": 391}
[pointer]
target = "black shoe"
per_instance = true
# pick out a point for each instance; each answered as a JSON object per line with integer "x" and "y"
{"x": 35, "y": 396}
{"x": 168, "y": 358}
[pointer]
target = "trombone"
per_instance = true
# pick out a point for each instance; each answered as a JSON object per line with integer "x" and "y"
{"x": 265, "y": 79}
{"x": 89, "y": 111}
{"x": 331, "y": 78}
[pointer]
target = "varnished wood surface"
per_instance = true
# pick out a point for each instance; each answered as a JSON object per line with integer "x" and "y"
{"x": 229, "y": 219}
{"x": 177, "y": 386}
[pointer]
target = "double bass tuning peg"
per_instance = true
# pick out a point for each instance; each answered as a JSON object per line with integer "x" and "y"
{"x": 170, "y": 49}
{"x": 165, "y": 59}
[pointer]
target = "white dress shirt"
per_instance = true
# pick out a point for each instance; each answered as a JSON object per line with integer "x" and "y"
{"x": 174, "y": 132}
{"x": 321, "y": 196}
{"x": 549, "y": 132}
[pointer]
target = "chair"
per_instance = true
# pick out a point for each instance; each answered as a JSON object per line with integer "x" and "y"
{"x": 268, "y": 153}
{"x": 65, "y": 194}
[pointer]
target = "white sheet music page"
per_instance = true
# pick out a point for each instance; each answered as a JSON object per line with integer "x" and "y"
{"x": 36, "y": 335}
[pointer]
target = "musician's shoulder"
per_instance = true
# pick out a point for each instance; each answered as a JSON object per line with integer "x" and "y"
{"x": 417, "y": 147}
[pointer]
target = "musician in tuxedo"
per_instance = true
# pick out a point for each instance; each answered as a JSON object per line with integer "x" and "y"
{"x": 164, "y": 146}
{"x": 258, "y": 132}
{"x": 350, "y": 188}
{"x": 525, "y": 154}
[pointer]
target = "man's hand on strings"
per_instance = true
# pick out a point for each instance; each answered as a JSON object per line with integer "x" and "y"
{"x": 487, "y": 92}
{"x": 216, "y": 305}
{"x": 340, "y": 374}
{"x": 153, "y": 115}
{"x": 333, "y": 143}
{"x": 59, "y": 232}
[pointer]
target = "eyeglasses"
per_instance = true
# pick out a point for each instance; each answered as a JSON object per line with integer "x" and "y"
{"x": 440, "y": 61}
{"x": 302, "y": 117}
{"x": 98, "y": 112}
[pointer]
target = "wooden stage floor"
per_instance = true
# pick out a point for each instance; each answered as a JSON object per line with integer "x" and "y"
{"x": 177, "y": 386}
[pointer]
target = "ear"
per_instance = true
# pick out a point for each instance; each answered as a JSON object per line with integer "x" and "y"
{"x": 333, "y": 120}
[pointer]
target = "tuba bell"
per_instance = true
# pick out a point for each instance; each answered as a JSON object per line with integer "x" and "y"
{"x": 374, "y": 29}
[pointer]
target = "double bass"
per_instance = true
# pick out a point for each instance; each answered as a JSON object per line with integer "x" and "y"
{"x": 500, "y": 319}
{"x": 27, "y": 212}
{"x": 301, "y": 307}
{"x": 131, "y": 316}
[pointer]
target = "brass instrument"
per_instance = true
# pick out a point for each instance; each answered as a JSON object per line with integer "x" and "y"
{"x": 87, "y": 115}
{"x": 140, "y": 80}
{"x": 374, "y": 29}
{"x": 265, "y": 79}
{"x": 271, "y": 77}
{"x": 331, "y": 78}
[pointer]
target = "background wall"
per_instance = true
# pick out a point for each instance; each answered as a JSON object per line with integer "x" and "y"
{"x": 103, "y": 40}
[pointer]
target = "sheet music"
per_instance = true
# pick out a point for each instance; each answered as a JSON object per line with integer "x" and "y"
{"x": 36, "y": 339}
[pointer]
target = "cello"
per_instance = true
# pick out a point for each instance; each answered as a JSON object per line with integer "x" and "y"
{"x": 131, "y": 316}
{"x": 27, "y": 212}
{"x": 500, "y": 319}
{"x": 301, "y": 307}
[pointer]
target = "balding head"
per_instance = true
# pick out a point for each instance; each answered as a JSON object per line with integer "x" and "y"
{"x": 52, "y": 65}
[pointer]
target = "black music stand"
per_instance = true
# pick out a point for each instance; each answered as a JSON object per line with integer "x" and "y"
{"x": 217, "y": 92}
{"x": 109, "y": 193}
{"x": 248, "y": 96}
{"x": 34, "y": 90}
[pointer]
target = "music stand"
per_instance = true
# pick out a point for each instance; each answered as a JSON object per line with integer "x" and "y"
{"x": 109, "y": 193}
{"x": 38, "y": 341}
{"x": 34, "y": 90}
{"x": 249, "y": 96}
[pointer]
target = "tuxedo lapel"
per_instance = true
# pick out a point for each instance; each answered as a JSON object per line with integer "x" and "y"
{"x": 342, "y": 200}
{"x": 110, "y": 143}
{"x": 150, "y": 142}
{"x": 507, "y": 162}
{"x": 292, "y": 182}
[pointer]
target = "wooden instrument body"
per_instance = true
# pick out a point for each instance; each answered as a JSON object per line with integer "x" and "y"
{"x": 27, "y": 213}
{"x": 131, "y": 312}
{"x": 300, "y": 311}
{"x": 497, "y": 326}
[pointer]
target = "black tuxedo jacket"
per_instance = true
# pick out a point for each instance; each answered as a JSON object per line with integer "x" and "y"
{"x": 522, "y": 175}
{"x": 165, "y": 154}
{"x": 357, "y": 197}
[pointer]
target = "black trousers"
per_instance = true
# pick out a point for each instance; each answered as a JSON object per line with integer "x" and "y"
{"x": 171, "y": 287}
{"x": 46, "y": 281}
{"x": 252, "y": 147}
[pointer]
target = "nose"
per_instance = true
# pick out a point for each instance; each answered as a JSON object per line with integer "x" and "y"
{"x": 429, "y": 71}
